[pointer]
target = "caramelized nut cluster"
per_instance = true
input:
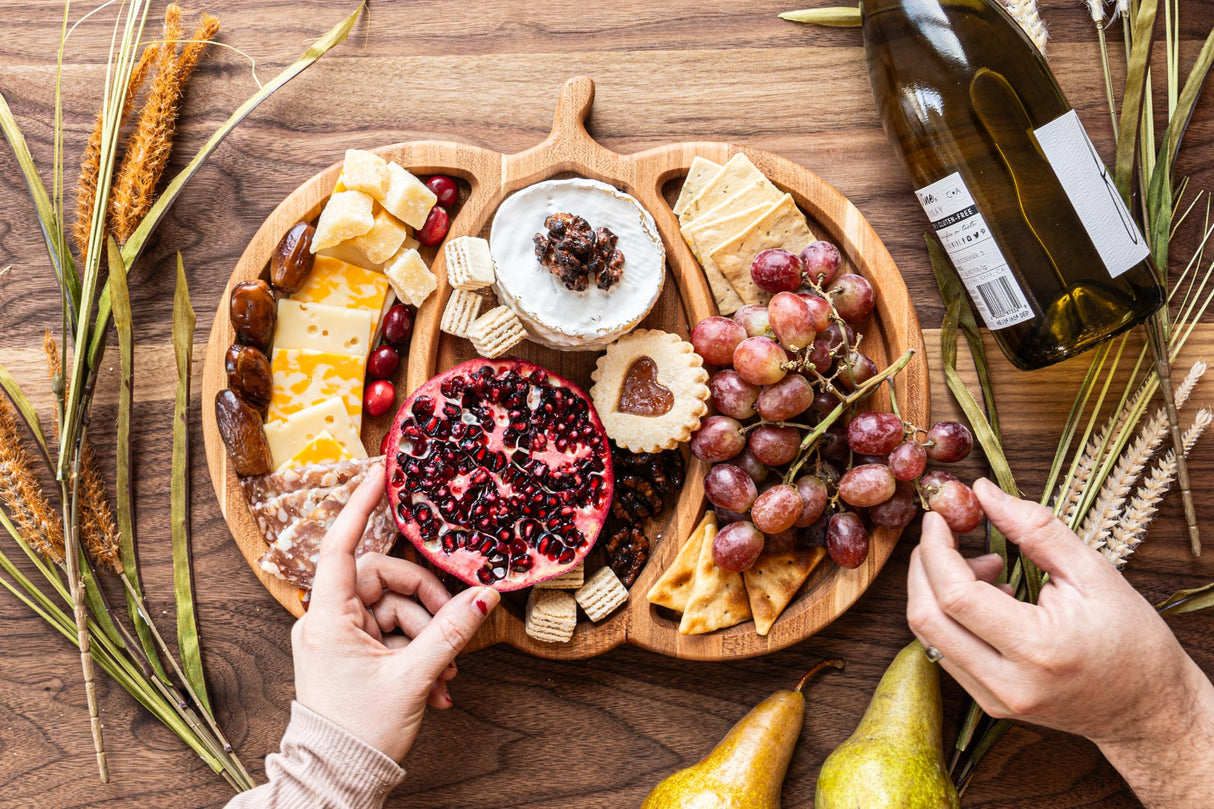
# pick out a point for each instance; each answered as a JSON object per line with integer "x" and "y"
{"x": 575, "y": 252}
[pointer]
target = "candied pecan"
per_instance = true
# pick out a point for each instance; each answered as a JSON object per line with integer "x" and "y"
{"x": 627, "y": 552}
{"x": 576, "y": 253}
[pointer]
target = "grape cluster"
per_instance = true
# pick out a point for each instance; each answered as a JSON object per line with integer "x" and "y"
{"x": 795, "y": 459}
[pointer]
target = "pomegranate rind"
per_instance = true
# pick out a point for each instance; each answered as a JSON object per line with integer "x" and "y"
{"x": 499, "y": 472}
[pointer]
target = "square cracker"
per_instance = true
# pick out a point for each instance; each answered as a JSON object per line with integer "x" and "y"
{"x": 736, "y": 175}
{"x": 773, "y": 581}
{"x": 673, "y": 587}
{"x": 718, "y": 599}
{"x": 721, "y": 224}
{"x": 701, "y": 171}
{"x": 784, "y": 226}
{"x": 723, "y": 293}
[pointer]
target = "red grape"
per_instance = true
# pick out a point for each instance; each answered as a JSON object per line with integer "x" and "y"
{"x": 935, "y": 479}
{"x": 789, "y": 397}
{"x": 383, "y": 362}
{"x": 867, "y": 485}
{"x": 791, "y": 320}
{"x": 715, "y": 338}
{"x": 733, "y": 395}
{"x": 824, "y": 404}
{"x": 822, "y": 262}
{"x": 839, "y": 337}
{"x": 718, "y": 439}
{"x": 813, "y": 500}
{"x": 760, "y": 360}
{"x": 847, "y": 540}
{"x": 736, "y": 546}
{"x": 725, "y": 516}
{"x": 874, "y": 433}
{"x": 820, "y": 356}
{"x": 752, "y": 466}
{"x": 853, "y": 297}
{"x": 897, "y": 511}
{"x": 776, "y": 271}
{"x": 445, "y": 189}
{"x": 814, "y": 536}
{"x": 727, "y": 486}
{"x": 957, "y": 504}
{"x": 398, "y": 326}
{"x": 435, "y": 228}
{"x": 754, "y": 319}
{"x": 855, "y": 369}
{"x": 781, "y": 543}
{"x": 776, "y": 509}
{"x": 773, "y": 445}
{"x": 907, "y": 460}
{"x": 949, "y": 441}
{"x": 378, "y": 397}
{"x": 833, "y": 444}
{"x": 818, "y": 308}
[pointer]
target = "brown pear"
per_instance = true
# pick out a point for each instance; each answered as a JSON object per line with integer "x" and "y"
{"x": 746, "y": 769}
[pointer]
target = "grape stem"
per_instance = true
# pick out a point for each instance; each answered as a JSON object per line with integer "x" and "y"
{"x": 847, "y": 401}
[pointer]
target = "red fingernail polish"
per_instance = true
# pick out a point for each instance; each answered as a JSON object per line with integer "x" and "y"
{"x": 482, "y": 606}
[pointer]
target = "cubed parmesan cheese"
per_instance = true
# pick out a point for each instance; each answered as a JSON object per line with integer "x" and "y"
{"x": 381, "y": 242}
{"x": 407, "y": 199}
{"x": 410, "y": 277}
{"x": 347, "y": 214}
{"x": 366, "y": 172}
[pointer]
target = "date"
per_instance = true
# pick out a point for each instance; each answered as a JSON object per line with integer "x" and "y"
{"x": 243, "y": 435}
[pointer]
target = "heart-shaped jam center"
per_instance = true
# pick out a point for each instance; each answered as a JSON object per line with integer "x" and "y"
{"x": 642, "y": 394}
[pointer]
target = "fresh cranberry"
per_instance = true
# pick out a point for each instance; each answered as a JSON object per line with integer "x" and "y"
{"x": 435, "y": 229}
{"x": 383, "y": 362}
{"x": 398, "y": 325}
{"x": 379, "y": 397}
{"x": 445, "y": 189}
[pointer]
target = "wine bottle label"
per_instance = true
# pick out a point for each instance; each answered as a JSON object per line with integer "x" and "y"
{"x": 1089, "y": 187}
{"x": 968, "y": 241}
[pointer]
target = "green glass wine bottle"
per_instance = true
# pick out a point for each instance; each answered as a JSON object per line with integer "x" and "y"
{"x": 1009, "y": 179}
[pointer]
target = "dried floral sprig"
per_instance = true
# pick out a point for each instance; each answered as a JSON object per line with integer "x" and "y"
{"x": 1131, "y": 528}
{"x": 1026, "y": 14}
{"x": 22, "y": 495}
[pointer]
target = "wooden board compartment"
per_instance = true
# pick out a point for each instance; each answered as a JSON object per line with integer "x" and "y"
{"x": 568, "y": 151}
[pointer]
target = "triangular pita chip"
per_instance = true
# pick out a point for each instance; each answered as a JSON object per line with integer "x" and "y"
{"x": 673, "y": 588}
{"x": 718, "y": 598}
{"x": 784, "y": 226}
{"x": 774, "y": 580}
{"x": 701, "y": 171}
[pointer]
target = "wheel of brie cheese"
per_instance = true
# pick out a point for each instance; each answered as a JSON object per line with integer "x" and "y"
{"x": 554, "y": 313}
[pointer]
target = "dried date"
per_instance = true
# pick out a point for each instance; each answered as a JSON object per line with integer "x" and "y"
{"x": 292, "y": 260}
{"x": 253, "y": 312}
{"x": 249, "y": 376}
{"x": 243, "y": 435}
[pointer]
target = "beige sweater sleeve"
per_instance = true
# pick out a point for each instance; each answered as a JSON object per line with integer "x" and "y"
{"x": 321, "y": 766}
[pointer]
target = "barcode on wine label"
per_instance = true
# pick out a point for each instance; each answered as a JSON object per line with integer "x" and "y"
{"x": 979, "y": 262}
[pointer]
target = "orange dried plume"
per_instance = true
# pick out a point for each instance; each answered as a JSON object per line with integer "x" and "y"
{"x": 25, "y": 502}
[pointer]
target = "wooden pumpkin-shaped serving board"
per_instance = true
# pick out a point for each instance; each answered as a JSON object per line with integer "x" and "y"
{"x": 653, "y": 177}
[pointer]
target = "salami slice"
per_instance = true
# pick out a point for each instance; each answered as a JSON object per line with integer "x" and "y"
{"x": 292, "y": 556}
{"x": 278, "y": 513}
{"x": 259, "y": 488}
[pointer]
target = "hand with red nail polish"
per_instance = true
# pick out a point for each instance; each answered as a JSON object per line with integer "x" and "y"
{"x": 1091, "y": 657}
{"x": 379, "y": 640}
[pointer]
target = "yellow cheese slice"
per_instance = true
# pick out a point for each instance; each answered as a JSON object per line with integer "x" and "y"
{"x": 303, "y": 378}
{"x": 333, "y": 282}
{"x": 319, "y": 327}
{"x": 287, "y": 438}
{"x": 324, "y": 448}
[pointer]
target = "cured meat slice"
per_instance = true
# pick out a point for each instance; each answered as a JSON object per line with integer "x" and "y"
{"x": 260, "y": 488}
{"x": 292, "y": 556}
{"x": 278, "y": 513}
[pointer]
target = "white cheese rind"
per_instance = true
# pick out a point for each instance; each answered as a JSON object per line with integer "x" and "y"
{"x": 553, "y": 315}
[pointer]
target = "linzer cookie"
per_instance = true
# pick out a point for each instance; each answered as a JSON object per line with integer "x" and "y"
{"x": 650, "y": 389}
{"x": 496, "y": 332}
{"x": 601, "y": 595}
{"x": 469, "y": 263}
{"x": 551, "y": 616}
{"x": 462, "y": 310}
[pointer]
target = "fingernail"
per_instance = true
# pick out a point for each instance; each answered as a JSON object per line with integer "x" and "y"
{"x": 986, "y": 557}
{"x": 487, "y": 600}
{"x": 447, "y": 696}
{"x": 990, "y": 490}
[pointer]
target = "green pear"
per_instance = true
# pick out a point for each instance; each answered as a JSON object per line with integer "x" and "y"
{"x": 895, "y": 757}
{"x": 746, "y": 769}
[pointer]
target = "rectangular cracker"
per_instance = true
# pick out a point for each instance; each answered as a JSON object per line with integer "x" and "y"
{"x": 461, "y": 311}
{"x": 711, "y": 231}
{"x": 673, "y": 587}
{"x": 698, "y": 174}
{"x": 784, "y": 226}
{"x": 601, "y": 594}
{"x": 496, "y": 332}
{"x": 772, "y": 582}
{"x": 569, "y": 580}
{"x": 735, "y": 176}
{"x": 469, "y": 263}
{"x": 551, "y": 616}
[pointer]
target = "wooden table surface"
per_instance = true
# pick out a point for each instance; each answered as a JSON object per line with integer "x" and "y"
{"x": 524, "y": 732}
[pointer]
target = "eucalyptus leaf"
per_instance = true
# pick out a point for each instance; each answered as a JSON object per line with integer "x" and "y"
{"x": 1182, "y": 601}
{"x": 179, "y": 494}
{"x": 1132, "y": 101}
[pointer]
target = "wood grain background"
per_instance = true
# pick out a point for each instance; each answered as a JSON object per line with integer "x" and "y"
{"x": 524, "y": 732}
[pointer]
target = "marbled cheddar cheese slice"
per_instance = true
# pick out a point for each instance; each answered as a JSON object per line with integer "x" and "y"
{"x": 318, "y": 327}
{"x": 288, "y": 437}
{"x": 303, "y": 378}
{"x": 334, "y": 282}
{"x": 324, "y": 448}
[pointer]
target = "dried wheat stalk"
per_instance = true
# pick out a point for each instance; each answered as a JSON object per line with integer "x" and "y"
{"x": 147, "y": 151}
{"x": 24, "y": 500}
{"x": 1106, "y": 510}
{"x": 1025, "y": 13}
{"x": 1132, "y": 526}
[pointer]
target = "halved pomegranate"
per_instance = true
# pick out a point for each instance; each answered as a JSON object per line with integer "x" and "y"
{"x": 499, "y": 472}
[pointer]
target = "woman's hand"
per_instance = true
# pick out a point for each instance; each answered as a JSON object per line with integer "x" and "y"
{"x": 368, "y": 656}
{"x": 1092, "y": 657}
